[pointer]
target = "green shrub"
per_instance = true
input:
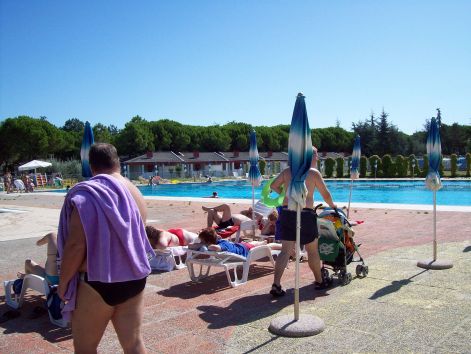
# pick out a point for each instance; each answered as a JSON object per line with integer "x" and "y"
{"x": 339, "y": 167}
{"x": 372, "y": 160}
{"x": 262, "y": 165}
{"x": 468, "y": 164}
{"x": 389, "y": 168}
{"x": 329, "y": 167}
{"x": 425, "y": 167}
{"x": 401, "y": 170}
{"x": 363, "y": 168}
{"x": 454, "y": 165}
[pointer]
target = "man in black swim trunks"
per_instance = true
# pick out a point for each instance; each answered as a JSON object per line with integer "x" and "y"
{"x": 99, "y": 302}
{"x": 309, "y": 232}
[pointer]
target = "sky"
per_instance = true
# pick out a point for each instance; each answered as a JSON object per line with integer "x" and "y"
{"x": 213, "y": 62}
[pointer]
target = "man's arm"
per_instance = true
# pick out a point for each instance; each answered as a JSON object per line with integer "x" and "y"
{"x": 216, "y": 248}
{"x": 74, "y": 252}
{"x": 322, "y": 188}
{"x": 278, "y": 182}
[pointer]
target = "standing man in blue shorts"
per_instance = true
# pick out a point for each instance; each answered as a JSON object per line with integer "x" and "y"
{"x": 309, "y": 232}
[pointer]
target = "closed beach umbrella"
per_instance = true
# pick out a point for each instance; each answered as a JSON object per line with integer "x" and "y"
{"x": 255, "y": 177}
{"x": 355, "y": 169}
{"x": 299, "y": 157}
{"x": 434, "y": 152}
{"x": 87, "y": 141}
{"x": 433, "y": 182}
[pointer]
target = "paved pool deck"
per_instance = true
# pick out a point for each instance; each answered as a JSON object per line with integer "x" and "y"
{"x": 397, "y": 308}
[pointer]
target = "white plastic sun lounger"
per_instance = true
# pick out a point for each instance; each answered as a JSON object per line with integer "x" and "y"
{"x": 226, "y": 260}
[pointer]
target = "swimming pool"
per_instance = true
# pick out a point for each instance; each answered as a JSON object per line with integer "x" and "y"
{"x": 364, "y": 191}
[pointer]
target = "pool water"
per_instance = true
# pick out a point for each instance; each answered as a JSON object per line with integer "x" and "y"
{"x": 364, "y": 191}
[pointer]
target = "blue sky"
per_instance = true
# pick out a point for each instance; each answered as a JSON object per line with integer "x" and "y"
{"x": 205, "y": 62}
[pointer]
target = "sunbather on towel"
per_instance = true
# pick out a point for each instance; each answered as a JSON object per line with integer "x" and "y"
{"x": 226, "y": 218}
{"x": 267, "y": 225}
{"x": 49, "y": 271}
{"x": 213, "y": 242}
{"x": 161, "y": 239}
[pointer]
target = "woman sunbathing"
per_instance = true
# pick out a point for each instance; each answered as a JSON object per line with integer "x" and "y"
{"x": 210, "y": 238}
{"x": 161, "y": 239}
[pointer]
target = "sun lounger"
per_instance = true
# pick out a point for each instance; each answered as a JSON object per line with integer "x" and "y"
{"x": 226, "y": 260}
{"x": 169, "y": 259}
{"x": 30, "y": 282}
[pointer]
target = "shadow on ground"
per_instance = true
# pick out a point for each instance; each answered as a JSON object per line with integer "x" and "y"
{"x": 210, "y": 285}
{"x": 25, "y": 323}
{"x": 395, "y": 286}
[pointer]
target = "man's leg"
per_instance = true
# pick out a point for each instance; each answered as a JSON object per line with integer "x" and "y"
{"x": 214, "y": 216}
{"x": 282, "y": 260}
{"x": 127, "y": 321}
{"x": 314, "y": 260}
{"x": 89, "y": 320}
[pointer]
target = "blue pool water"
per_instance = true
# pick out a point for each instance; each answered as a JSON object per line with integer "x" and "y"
{"x": 400, "y": 192}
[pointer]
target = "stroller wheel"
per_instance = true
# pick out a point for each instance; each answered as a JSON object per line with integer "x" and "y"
{"x": 325, "y": 273}
{"x": 345, "y": 278}
{"x": 359, "y": 270}
{"x": 364, "y": 272}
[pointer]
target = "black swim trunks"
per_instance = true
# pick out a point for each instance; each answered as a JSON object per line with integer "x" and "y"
{"x": 224, "y": 224}
{"x": 116, "y": 293}
{"x": 309, "y": 231}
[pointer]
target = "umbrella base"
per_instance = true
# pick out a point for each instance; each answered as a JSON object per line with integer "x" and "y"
{"x": 437, "y": 264}
{"x": 286, "y": 326}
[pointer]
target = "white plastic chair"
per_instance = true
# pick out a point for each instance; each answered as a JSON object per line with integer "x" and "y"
{"x": 226, "y": 260}
{"x": 32, "y": 282}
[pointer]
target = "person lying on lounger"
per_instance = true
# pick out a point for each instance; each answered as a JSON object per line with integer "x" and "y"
{"x": 213, "y": 242}
{"x": 267, "y": 225}
{"x": 161, "y": 239}
{"x": 49, "y": 271}
{"x": 225, "y": 219}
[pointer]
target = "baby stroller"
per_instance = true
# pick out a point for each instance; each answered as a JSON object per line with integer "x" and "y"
{"x": 337, "y": 247}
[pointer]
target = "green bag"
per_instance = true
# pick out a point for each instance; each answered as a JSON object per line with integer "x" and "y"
{"x": 329, "y": 242}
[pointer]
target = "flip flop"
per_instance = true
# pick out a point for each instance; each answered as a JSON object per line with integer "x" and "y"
{"x": 10, "y": 314}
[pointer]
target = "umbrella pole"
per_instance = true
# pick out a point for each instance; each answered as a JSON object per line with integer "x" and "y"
{"x": 253, "y": 210}
{"x": 298, "y": 247}
{"x": 434, "y": 225}
{"x": 349, "y": 198}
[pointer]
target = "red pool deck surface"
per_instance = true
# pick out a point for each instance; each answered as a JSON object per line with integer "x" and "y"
{"x": 185, "y": 317}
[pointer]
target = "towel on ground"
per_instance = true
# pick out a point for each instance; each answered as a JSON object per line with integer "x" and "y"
{"x": 117, "y": 246}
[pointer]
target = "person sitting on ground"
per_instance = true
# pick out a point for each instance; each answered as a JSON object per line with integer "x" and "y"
{"x": 161, "y": 239}
{"x": 49, "y": 271}
{"x": 226, "y": 219}
{"x": 213, "y": 242}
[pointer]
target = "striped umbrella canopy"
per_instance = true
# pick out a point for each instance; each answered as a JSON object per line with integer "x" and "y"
{"x": 255, "y": 177}
{"x": 356, "y": 154}
{"x": 434, "y": 152}
{"x": 87, "y": 141}
{"x": 299, "y": 154}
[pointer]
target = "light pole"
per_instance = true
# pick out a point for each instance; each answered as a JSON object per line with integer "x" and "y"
{"x": 125, "y": 170}
{"x": 376, "y": 166}
{"x": 413, "y": 166}
{"x": 322, "y": 168}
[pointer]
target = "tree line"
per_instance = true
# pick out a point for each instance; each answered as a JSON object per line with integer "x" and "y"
{"x": 25, "y": 138}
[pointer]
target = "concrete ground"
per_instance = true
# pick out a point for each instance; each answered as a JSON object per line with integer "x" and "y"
{"x": 397, "y": 308}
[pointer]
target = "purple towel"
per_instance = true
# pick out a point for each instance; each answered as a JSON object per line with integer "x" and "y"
{"x": 117, "y": 246}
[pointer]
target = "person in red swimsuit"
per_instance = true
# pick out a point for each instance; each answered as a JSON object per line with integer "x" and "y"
{"x": 161, "y": 239}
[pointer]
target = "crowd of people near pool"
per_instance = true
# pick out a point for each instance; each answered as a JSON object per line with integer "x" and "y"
{"x": 108, "y": 273}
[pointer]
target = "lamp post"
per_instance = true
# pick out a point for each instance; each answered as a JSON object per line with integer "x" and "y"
{"x": 376, "y": 167}
{"x": 322, "y": 168}
{"x": 125, "y": 170}
{"x": 413, "y": 166}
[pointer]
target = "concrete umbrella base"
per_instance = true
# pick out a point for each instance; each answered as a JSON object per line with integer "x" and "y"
{"x": 286, "y": 326}
{"x": 437, "y": 264}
